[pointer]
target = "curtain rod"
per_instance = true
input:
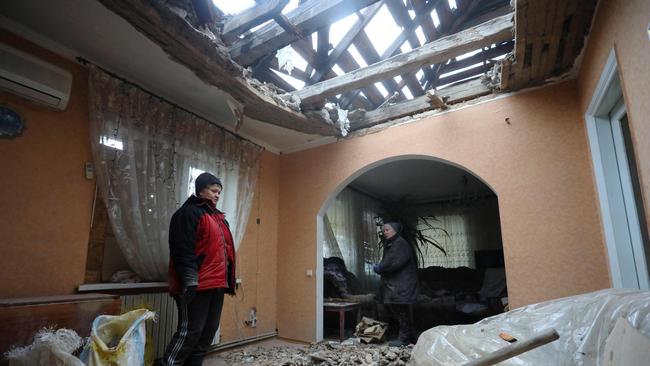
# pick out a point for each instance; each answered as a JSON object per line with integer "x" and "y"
{"x": 86, "y": 62}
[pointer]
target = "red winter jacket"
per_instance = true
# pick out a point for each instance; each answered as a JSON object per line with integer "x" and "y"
{"x": 201, "y": 248}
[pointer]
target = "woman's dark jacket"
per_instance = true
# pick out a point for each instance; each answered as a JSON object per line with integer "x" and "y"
{"x": 201, "y": 250}
{"x": 398, "y": 270}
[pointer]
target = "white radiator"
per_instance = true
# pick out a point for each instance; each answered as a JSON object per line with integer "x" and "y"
{"x": 161, "y": 331}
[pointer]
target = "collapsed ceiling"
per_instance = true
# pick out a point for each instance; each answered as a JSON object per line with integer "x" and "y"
{"x": 443, "y": 52}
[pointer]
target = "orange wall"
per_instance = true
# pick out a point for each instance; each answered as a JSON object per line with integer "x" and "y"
{"x": 257, "y": 260}
{"x": 622, "y": 25}
{"x": 46, "y": 206}
{"x": 539, "y": 166}
{"x": 45, "y": 201}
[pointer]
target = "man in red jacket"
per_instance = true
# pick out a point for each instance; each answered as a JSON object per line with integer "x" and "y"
{"x": 201, "y": 270}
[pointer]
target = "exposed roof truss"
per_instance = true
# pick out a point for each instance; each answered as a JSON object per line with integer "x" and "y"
{"x": 438, "y": 52}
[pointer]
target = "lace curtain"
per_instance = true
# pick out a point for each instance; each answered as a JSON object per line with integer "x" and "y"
{"x": 352, "y": 219}
{"x": 459, "y": 245}
{"x": 470, "y": 228}
{"x": 147, "y": 153}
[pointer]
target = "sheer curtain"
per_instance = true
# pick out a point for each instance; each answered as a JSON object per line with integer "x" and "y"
{"x": 459, "y": 244}
{"x": 352, "y": 219}
{"x": 147, "y": 153}
{"x": 472, "y": 226}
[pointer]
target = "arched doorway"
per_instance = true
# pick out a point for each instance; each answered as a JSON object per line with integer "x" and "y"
{"x": 448, "y": 204}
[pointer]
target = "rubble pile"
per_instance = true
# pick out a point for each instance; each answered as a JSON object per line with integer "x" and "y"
{"x": 322, "y": 354}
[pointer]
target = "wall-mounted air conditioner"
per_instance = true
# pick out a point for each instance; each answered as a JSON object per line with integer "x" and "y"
{"x": 34, "y": 79}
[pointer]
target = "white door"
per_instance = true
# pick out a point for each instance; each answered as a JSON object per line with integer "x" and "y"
{"x": 619, "y": 173}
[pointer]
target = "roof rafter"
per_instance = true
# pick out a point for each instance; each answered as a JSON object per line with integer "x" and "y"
{"x": 306, "y": 18}
{"x": 346, "y": 41}
{"x": 401, "y": 16}
{"x": 251, "y": 17}
{"x": 392, "y": 49}
{"x": 495, "y": 30}
{"x": 450, "y": 95}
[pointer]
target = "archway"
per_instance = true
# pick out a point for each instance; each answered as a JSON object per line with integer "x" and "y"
{"x": 430, "y": 187}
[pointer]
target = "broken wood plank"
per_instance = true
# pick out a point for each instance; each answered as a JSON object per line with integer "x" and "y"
{"x": 496, "y": 30}
{"x": 307, "y": 18}
{"x": 251, "y": 17}
{"x": 449, "y": 95}
{"x": 210, "y": 61}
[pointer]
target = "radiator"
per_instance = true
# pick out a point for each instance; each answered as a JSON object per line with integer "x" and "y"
{"x": 160, "y": 332}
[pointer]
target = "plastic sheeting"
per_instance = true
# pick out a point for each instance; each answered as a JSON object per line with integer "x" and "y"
{"x": 583, "y": 322}
{"x": 118, "y": 340}
{"x": 50, "y": 348}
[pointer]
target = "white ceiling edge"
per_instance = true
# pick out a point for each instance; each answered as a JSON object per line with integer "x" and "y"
{"x": 273, "y": 138}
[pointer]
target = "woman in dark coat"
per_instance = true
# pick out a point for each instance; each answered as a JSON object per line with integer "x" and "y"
{"x": 399, "y": 280}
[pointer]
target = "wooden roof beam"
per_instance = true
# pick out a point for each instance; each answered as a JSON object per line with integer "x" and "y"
{"x": 401, "y": 16}
{"x": 495, "y": 30}
{"x": 306, "y": 18}
{"x": 371, "y": 56}
{"x": 428, "y": 28}
{"x": 474, "y": 71}
{"x": 489, "y": 54}
{"x": 210, "y": 61}
{"x": 462, "y": 21}
{"x": 305, "y": 50}
{"x": 393, "y": 48}
{"x": 345, "y": 42}
{"x": 251, "y": 17}
{"x": 450, "y": 95}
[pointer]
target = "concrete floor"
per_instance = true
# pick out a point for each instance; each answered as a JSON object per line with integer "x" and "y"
{"x": 215, "y": 359}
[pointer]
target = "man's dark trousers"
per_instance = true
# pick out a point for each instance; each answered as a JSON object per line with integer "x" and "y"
{"x": 198, "y": 321}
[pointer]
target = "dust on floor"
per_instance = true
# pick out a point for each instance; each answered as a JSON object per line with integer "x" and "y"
{"x": 323, "y": 354}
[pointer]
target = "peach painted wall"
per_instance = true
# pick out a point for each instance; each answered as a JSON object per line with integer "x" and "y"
{"x": 257, "y": 260}
{"x": 623, "y": 25}
{"x": 45, "y": 208}
{"x": 45, "y": 201}
{"x": 539, "y": 166}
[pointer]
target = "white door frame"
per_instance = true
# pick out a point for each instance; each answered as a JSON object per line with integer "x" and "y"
{"x": 621, "y": 226}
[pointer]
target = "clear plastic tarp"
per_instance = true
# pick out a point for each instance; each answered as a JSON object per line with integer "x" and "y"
{"x": 118, "y": 340}
{"x": 584, "y": 322}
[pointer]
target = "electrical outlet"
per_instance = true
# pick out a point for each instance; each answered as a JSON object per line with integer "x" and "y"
{"x": 89, "y": 170}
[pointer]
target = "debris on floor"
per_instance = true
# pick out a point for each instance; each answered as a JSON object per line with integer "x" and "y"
{"x": 323, "y": 354}
{"x": 370, "y": 330}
